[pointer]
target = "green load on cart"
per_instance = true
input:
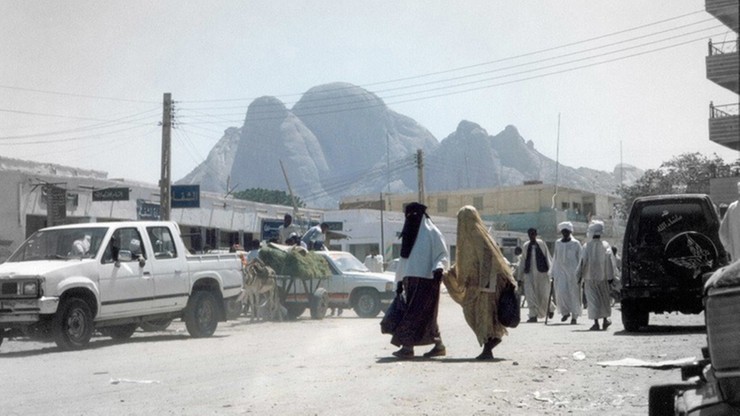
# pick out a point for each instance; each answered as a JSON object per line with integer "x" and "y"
{"x": 295, "y": 262}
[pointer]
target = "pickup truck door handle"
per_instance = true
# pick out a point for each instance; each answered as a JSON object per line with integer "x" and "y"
{"x": 147, "y": 273}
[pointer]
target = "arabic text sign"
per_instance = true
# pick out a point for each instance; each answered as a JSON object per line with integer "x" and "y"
{"x": 185, "y": 196}
{"x": 146, "y": 210}
{"x": 110, "y": 194}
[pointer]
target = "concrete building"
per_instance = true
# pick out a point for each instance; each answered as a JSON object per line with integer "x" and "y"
{"x": 723, "y": 66}
{"x": 513, "y": 209}
{"x": 29, "y": 189}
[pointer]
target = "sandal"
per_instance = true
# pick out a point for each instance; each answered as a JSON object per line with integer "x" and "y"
{"x": 436, "y": 352}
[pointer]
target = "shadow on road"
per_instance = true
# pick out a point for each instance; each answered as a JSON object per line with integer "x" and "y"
{"x": 665, "y": 330}
{"x": 95, "y": 344}
{"x": 388, "y": 360}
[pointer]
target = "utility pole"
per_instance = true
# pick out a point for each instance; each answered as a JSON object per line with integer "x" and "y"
{"x": 165, "y": 180}
{"x": 420, "y": 168}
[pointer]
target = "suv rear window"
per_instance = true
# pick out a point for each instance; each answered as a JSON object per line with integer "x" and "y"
{"x": 660, "y": 222}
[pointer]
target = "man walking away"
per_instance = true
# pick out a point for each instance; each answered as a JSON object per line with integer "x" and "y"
{"x": 533, "y": 270}
{"x": 597, "y": 271}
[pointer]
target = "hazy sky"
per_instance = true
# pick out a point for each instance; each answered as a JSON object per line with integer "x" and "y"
{"x": 81, "y": 82}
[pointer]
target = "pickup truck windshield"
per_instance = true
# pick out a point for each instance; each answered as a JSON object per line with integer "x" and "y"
{"x": 60, "y": 244}
{"x": 346, "y": 262}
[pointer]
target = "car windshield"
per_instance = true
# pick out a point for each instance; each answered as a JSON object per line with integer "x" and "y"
{"x": 60, "y": 244}
{"x": 346, "y": 262}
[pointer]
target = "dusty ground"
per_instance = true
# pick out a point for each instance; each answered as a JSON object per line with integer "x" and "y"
{"x": 343, "y": 366}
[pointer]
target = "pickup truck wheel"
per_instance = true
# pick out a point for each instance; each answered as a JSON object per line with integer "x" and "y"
{"x": 632, "y": 317}
{"x": 72, "y": 325}
{"x": 367, "y": 303}
{"x": 319, "y": 304}
{"x": 156, "y": 325}
{"x": 201, "y": 314}
{"x": 120, "y": 331}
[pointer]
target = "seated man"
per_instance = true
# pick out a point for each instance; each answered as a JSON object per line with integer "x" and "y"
{"x": 81, "y": 245}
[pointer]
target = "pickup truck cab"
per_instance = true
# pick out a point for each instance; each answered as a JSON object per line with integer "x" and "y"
{"x": 352, "y": 285}
{"x": 64, "y": 282}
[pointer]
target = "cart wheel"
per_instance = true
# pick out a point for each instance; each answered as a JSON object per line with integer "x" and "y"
{"x": 319, "y": 303}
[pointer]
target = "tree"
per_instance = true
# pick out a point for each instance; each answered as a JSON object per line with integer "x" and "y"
{"x": 686, "y": 173}
{"x": 268, "y": 196}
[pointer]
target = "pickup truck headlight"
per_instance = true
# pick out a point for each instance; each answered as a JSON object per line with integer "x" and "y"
{"x": 389, "y": 286}
{"x": 30, "y": 288}
{"x": 21, "y": 288}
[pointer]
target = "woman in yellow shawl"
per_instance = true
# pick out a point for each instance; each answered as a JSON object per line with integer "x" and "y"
{"x": 477, "y": 279}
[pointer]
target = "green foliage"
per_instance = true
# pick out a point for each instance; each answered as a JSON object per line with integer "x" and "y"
{"x": 268, "y": 196}
{"x": 686, "y": 173}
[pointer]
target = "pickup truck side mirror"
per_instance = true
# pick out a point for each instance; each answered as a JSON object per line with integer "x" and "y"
{"x": 142, "y": 261}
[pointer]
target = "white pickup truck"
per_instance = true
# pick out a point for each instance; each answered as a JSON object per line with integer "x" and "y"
{"x": 66, "y": 281}
{"x": 352, "y": 285}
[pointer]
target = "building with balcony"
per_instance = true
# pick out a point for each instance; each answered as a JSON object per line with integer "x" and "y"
{"x": 723, "y": 67}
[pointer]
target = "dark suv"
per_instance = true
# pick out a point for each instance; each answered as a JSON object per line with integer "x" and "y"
{"x": 671, "y": 246}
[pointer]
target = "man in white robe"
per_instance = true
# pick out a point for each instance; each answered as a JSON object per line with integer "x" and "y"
{"x": 288, "y": 228}
{"x": 729, "y": 230}
{"x": 374, "y": 261}
{"x": 596, "y": 270}
{"x": 533, "y": 271}
{"x": 566, "y": 257}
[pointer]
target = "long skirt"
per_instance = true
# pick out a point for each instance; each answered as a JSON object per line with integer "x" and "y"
{"x": 419, "y": 324}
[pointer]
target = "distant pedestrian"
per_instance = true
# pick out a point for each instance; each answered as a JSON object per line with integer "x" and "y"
{"x": 533, "y": 270}
{"x": 423, "y": 260}
{"x": 477, "y": 280}
{"x": 315, "y": 236}
{"x": 566, "y": 257}
{"x": 374, "y": 261}
{"x": 729, "y": 229}
{"x": 286, "y": 229}
{"x": 596, "y": 270}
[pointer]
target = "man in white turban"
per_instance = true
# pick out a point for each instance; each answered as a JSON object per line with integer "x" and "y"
{"x": 565, "y": 260}
{"x": 477, "y": 279}
{"x": 729, "y": 229}
{"x": 596, "y": 270}
{"x": 534, "y": 270}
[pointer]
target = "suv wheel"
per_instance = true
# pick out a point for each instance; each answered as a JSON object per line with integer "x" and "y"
{"x": 633, "y": 318}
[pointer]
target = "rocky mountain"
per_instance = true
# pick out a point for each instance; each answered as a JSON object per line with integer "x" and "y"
{"x": 340, "y": 139}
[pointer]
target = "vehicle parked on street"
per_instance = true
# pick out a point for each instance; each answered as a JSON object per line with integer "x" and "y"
{"x": 716, "y": 386}
{"x": 64, "y": 282}
{"x": 671, "y": 246}
{"x": 352, "y": 285}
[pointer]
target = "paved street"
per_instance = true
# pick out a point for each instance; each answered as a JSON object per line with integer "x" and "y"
{"x": 343, "y": 366}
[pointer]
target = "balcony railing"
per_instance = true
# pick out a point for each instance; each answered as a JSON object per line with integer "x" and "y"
{"x": 726, "y": 110}
{"x": 721, "y": 48}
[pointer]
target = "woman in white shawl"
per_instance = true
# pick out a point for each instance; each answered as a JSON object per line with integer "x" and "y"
{"x": 477, "y": 279}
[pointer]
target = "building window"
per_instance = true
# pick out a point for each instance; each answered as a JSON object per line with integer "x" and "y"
{"x": 565, "y": 206}
{"x": 478, "y": 202}
{"x": 442, "y": 205}
{"x": 577, "y": 207}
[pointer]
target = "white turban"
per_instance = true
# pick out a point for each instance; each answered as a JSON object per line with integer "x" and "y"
{"x": 565, "y": 225}
{"x": 595, "y": 228}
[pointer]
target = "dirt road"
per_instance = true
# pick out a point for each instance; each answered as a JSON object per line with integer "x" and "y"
{"x": 343, "y": 366}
